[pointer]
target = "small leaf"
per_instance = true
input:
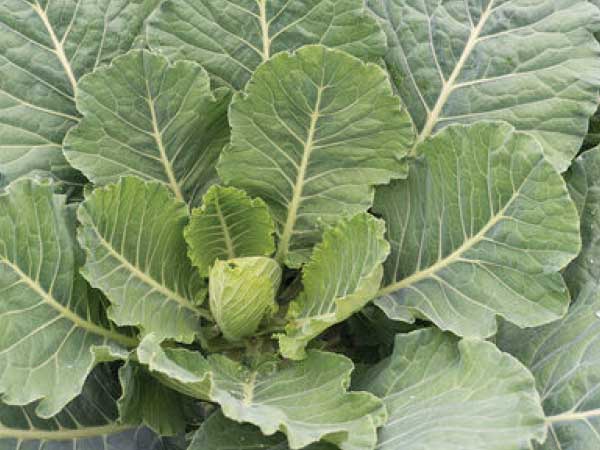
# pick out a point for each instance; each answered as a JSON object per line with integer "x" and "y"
{"x": 229, "y": 224}
{"x": 230, "y": 38}
{"x": 132, "y": 232}
{"x": 145, "y": 117}
{"x": 442, "y": 393}
{"x": 481, "y": 229}
{"x": 269, "y": 397}
{"x": 242, "y": 293}
{"x": 313, "y": 133}
{"x": 343, "y": 274}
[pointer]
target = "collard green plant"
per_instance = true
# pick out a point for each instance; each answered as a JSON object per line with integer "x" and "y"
{"x": 285, "y": 225}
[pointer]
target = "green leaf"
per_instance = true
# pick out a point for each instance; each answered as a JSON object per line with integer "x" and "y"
{"x": 145, "y": 117}
{"x": 230, "y": 38}
{"x": 269, "y": 396}
{"x": 583, "y": 180}
{"x": 229, "y": 224}
{"x": 45, "y": 47}
{"x": 242, "y": 293}
{"x": 343, "y": 274}
{"x": 88, "y": 422}
{"x": 563, "y": 357}
{"x": 480, "y": 229}
{"x": 442, "y": 393}
{"x": 532, "y": 64}
{"x": 311, "y": 135}
{"x": 132, "y": 232}
{"x": 53, "y": 326}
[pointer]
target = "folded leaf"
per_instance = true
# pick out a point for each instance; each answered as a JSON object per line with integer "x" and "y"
{"x": 311, "y": 135}
{"x": 53, "y": 329}
{"x": 145, "y": 117}
{"x": 230, "y": 38}
{"x": 270, "y": 396}
{"x": 45, "y": 47}
{"x": 480, "y": 229}
{"x": 534, "y": 65}
{"x": 132, "y": 232}
{"x": 228, "y": 225}
{"x": 343, "y": 274}
{"x": 442, "y": 393}
{"x": 564, "y": 359}
{"x": 242, "y": 293}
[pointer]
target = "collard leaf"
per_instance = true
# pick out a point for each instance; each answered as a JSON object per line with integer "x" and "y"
{"x": 45, "y": 47}
{"x": 229, "y": 224}
{"x": 145, "y": 117}
{"x": 88, "y": 422}
{"x": 231, "y": 38}
{"x": 480, "y": 229}
{"x": 442, "y": 393}
{"x": 53, "y": 327}
{"x": 311, "y": 135}
{"x": 269, "y": 396}
{"x": 532, "y": 64}
{"x": 344, "y": 273}
{"x": 132, "y": 232}
{"x": 563, "y": 357}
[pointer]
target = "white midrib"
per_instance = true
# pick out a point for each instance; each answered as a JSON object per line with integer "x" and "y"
{"x": 226, "y": 235}
{"x": 573, "y": 416}
{"x": 294, "y": 204}
{"x": 449, "y": 84}
{"x": 64, "y": 434}
{"x": 264, "y": 27}
{"x": 58, "y": 47}
{"x": 248, "y": 390}
{"x": 161, "y": 149}
{"x": 67, "y": 313}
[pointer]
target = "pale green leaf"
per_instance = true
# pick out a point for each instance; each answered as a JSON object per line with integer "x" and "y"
{"x": 53, "y": 327}
{"x": 343, "y": 274}
{"x": 446, "y": 394}
{"x": 45, "y": 47}
{"x": 145, "y": 117}
{"x": 534, "y": 64}
{"x": 230, "y": 38}
{"x": 242, "y": 293}
{"x": 311, "y": 135}
{"x": 565, "y": 359}
{"x": 229, "y": 224}
{"x": 480, "y": 229}
{"x": 132, "y": 233}
{"x": 269, "y": 396}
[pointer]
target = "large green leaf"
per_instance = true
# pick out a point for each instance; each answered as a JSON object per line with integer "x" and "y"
{"x": 306, "y": 400}
{"x": 88, "y": 422}
{"x": 344, "y": 273}
{"x": 45, "y": 47}
{"x": 53, "y": 326}
{"x": 228, "y": 225}
{"x": 132, "y": 232}
{"x": 442, "y": 393}
{"x": 534, "y": 64}
{"x": 480, "y": 229}
{"x": 230, "y": 38}
{"x": 564, "y": 358}
{"x": 145, "y": 117}
{"x": 311, "y": 135}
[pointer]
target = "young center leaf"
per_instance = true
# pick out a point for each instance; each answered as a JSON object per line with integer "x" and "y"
{"x": 269, "y": 397}
{"x": 442, "y": 393}
{"x": 343, "y": 274}
{"x": 229, "y": 224}
{"x": 231, "y": 38}
{"x": 311, "y": 135}
{"x": 480, "y": 229}
{"x": 145, "y": 117}
{"x": 53, "y": 327}
{"x": 132, "y": 232}
{"x": 45, "y": 47}
{"x": 532, "y": 64}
